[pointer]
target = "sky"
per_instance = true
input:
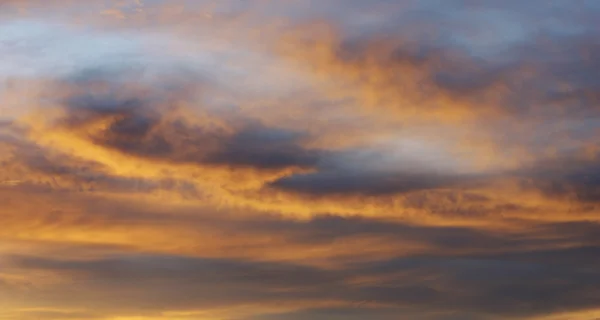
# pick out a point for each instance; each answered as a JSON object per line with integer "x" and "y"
{"x": 299, "y": 159}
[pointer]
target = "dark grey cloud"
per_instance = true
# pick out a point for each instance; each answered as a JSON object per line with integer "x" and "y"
{"x": 573, "y": 179}
{"x": 158, "y": 283}
{"x": 140, "y": 130}
{"x": 262, "y": 147}
{"x": 579, "y": 256}
{"x": 357, "y": 312}
{"x": 567, "y": 177}
{"x": 57, "y": 315}
{"x": 576, "y": 242}
{"x": 5, "y": 124}
{"x": 367, "y": 183}
{"x": 462, "y": 285}
{"x": 209, "y": 272}
{"x": 363, "y": 311}
{"x": 333, "y": 229}
{"x": 490, "y": 286}
{"x": 472, "y": 271}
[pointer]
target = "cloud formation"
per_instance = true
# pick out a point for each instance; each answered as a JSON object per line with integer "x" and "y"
{"x": 299, "y": 160}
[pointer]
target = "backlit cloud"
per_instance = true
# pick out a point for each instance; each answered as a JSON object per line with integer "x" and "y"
{"x": 299, "y": 160}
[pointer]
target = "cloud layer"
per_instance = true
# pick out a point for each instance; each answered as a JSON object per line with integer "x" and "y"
{"x": 299, "y": 160}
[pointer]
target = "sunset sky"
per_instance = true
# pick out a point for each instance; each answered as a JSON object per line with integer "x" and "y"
{"x": 299, "y": 160}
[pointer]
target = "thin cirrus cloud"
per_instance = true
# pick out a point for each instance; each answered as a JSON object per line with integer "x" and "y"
{"x": 299, "y": 160}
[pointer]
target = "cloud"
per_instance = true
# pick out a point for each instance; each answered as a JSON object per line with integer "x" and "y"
{"x": 300, "y": 159}
{"x": 364, "y": 183}
{"x": 56, "y": 314}
{"x": 107, "y": 130}
{"x": 416, "y": 80}
{"x": 442, "y": 267}
{"x": 504, "y": 101}
{"x": 173, "y": 282}
{"x": 133, "y": 129}
{"x": 485, "y": 287}
{"x": 574, "y": 179}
